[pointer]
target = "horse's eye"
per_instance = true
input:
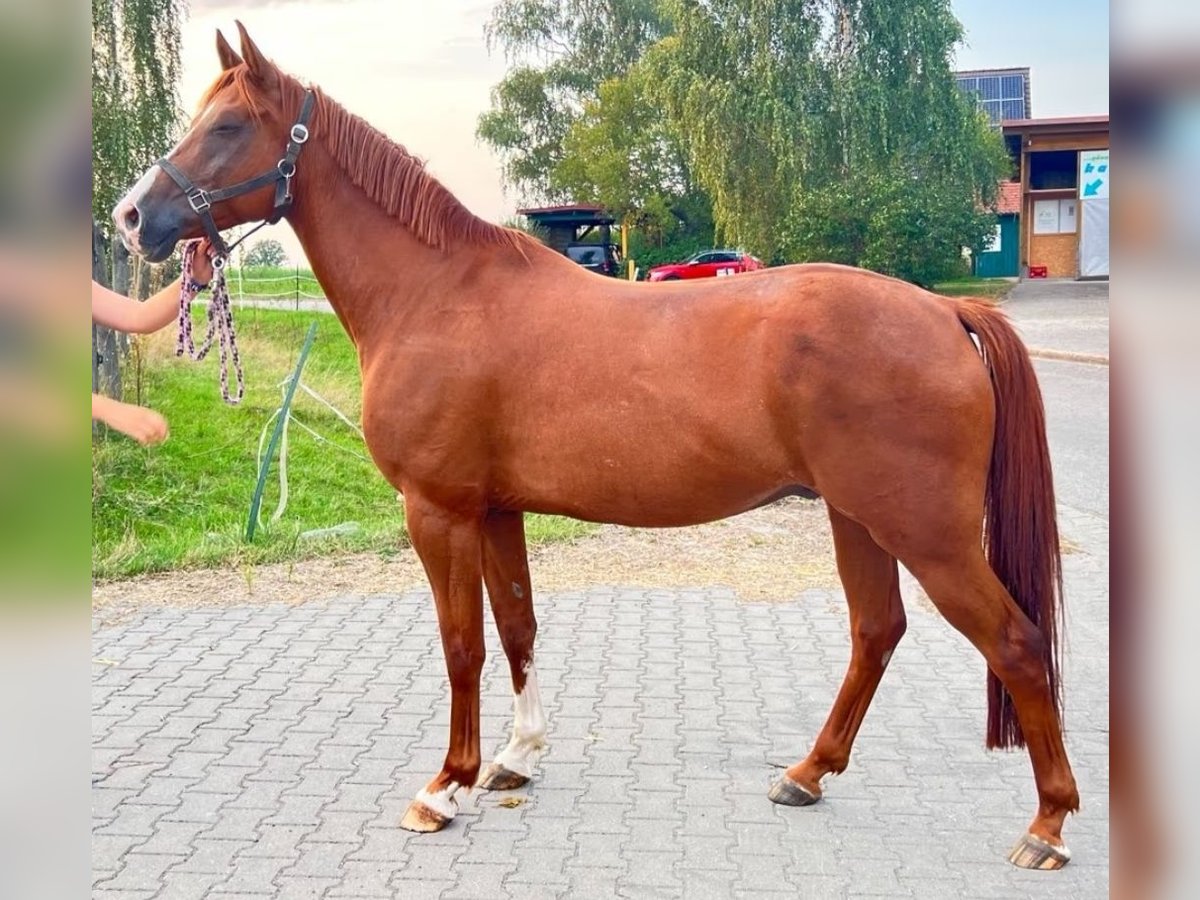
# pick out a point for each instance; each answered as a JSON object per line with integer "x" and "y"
{"x": 227, "y": 128}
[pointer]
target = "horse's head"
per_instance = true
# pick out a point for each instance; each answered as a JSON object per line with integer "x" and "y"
{"x": 239, "y": 132}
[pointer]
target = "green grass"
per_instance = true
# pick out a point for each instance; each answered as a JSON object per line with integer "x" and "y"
{"x": 185, "y": 503}
{"x": 989, "y": 288}
{"x": 273, "y": 283}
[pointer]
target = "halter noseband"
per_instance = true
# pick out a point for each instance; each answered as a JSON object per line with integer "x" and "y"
{"x": 281, "y": 176}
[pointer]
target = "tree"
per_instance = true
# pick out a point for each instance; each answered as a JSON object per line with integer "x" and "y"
{"x": 268, "y": 253}
{"x": 135, "y": 114}
{"x": 135, "y": 104}
{"x": 561, "y": 52}
{"x": 575, "y": 121}
{"x": 832, "y": 129}
{"x": 736, "y": 79}
{"x": 621, "y": 154}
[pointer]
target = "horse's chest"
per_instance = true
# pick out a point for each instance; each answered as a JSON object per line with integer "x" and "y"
{"x": 414, "y": 436}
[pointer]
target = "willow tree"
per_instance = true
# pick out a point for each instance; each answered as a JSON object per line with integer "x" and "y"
{"x": 832, "y": 129}
{"x": 739, "y": 80}
{"x": 135, "y": 115}
{"x": 135, "y": 101}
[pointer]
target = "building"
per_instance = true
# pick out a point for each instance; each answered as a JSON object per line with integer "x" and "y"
{"x": 1001, "y": 258}
{"x": 571, "y": 224}
{"x": 1053, "y": 219}
{"x": 1063, "y": 223}
{"x": 1001, "y": 93}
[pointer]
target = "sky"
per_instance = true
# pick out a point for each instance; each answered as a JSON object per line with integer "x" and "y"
{"x": 421, "y": 71}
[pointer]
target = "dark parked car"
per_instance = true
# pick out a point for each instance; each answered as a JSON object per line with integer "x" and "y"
{"x": 604, "y": 259}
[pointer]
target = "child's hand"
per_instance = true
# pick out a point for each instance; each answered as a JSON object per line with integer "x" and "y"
{"x": 143, "y": 425}
{"x": 202, "y": 268}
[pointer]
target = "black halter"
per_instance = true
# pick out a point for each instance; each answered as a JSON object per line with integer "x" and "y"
{"x": 280, "y": 176}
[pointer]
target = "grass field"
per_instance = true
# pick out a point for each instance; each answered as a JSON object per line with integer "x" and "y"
{"x": 284, "y": 283}
{"x": 989, "y": 288}
{"x": 273, "y": 283}
{"x": 186, "y": 502}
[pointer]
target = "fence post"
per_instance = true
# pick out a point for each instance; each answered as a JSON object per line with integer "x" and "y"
{"x": 297, "y": 289}
{"x": 106, "y": 370}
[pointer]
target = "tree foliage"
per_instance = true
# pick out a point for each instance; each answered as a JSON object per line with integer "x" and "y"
{"x": 833, "y": 129}
{"x": 561, "y": 51}
{"x": 812, "y": 129}
{"x": 736, "y": 78}
{"x": 135, "y": 103}
{"x": 621, "y": 154}
{"x": 267, "y": 253}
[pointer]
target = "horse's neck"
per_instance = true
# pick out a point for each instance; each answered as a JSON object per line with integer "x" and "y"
{"x": 373, "y": 270}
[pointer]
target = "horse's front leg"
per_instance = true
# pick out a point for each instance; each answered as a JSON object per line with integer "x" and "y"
{"x": 506, "y": 574}
{"x": 449, "y": 545}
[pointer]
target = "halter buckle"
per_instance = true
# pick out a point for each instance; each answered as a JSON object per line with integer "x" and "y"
{"x": 218, "y": 262}
{"x": 199, "y": 200}
{"x": 287, "y": 168}
{"x": 299, "y": 133}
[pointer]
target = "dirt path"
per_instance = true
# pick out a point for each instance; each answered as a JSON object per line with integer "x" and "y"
{"x": 768, "y": 554}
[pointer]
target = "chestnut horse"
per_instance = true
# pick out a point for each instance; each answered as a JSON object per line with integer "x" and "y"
{"x": 499, "y": 377}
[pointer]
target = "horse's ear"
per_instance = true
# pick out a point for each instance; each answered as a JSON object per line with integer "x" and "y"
{"x": 258, "y": 64}
{"x": 226, "y": 54}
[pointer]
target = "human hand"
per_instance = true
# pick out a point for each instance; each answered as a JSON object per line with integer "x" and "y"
{"x": 143, "y": 425}
{"x": 202, "y": 267}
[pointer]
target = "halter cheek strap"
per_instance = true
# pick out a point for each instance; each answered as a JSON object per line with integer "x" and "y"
{"x": 202, "y": 200}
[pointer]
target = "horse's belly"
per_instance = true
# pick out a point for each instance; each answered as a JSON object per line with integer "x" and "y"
{"x": 648, "y": 478}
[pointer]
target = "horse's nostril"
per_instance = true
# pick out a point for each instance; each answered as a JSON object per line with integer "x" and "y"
{"x": 130, "y": 218}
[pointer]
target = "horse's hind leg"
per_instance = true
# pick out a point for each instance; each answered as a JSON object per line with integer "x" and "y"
{"x": 877, "y": 623}
{"x": 506, "y": 574}
{"x": 971, "y": 598}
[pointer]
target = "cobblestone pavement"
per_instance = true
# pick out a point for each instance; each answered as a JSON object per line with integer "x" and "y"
{"x": 271, "y": 751}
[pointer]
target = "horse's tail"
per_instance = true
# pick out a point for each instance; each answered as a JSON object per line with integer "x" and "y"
{"x": 1021, "y": 531}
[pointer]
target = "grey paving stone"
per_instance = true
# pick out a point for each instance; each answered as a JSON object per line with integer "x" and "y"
{"x": 277, "y": 761}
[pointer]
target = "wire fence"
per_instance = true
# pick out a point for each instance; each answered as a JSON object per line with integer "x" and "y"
{"x": 293, "y": 287}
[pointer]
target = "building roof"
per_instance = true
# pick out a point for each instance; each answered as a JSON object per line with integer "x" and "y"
{"x": 572, "y": 215}
{"x": 568, "y": 208}
{"x": 1073, "y": 123}
{"x": 1006, "y": 70}
{"x": 1008, "y": 198}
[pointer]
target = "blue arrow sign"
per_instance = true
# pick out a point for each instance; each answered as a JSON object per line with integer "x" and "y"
{"x": 1094, "y": 174}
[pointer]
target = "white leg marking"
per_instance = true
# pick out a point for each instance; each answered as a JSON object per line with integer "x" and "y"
{"x": 441, "y": 802}
{"x": 529, "y": 729}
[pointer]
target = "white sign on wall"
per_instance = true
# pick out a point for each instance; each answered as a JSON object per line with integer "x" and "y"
{"x": 1093, "y": 174}
{"x": 1067, "y": 216}
{"x": 1045, "y": 217}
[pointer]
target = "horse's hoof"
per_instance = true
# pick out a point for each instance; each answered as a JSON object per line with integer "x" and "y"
{"x": 498, "y": 778}
{"x": 787, "y": 793}
{"x": 1031, "y": 852}
{"x": 423, "y": 819}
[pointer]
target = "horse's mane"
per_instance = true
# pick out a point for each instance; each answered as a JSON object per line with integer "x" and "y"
{"x": 386, "y": 172}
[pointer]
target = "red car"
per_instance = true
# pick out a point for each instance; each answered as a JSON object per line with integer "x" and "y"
{"x": 707, "y": 264}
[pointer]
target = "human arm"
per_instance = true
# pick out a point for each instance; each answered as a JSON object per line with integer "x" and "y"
{"x": 143, "y": 425}
{"x": 143, "y": 317}
{"x": 132, "y": 316}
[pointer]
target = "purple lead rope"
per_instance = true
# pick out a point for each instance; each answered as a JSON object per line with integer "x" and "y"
{"x": 220, "y": 324}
